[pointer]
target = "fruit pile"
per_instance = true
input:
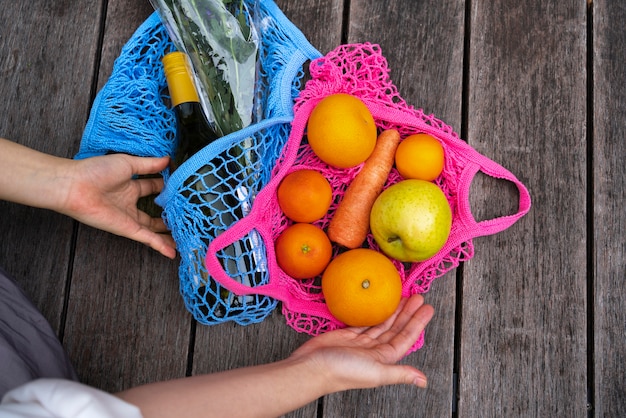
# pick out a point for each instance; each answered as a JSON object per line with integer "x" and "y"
{"x": 394, "y": 196}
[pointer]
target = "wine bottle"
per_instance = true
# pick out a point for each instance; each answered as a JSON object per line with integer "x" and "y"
{"x": 212, "y": 188}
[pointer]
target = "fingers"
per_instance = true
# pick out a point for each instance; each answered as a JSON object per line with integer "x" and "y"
{"x": 149, "y": 186}
{"x": 378, "y": 330}
{"x": 163, "y": 243}
{"x": 404, "y": 374}
{"x": 157, "y": 225}
{"x": 409, "y": 325}
{"x": 148, "y": 165}
{"x": 398, "y": 334}
{"x": 152, "y": 230}
{"x": 155, "y": 234}
{"x": 153, "y": 224}
{"x": 398, "y": 319}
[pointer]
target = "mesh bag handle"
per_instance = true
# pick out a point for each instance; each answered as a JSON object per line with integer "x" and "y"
{"x": 361, "y": 70}
{"x": 128, "y": 114}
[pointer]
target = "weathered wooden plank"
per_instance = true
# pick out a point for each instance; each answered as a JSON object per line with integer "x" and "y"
{"x": 126, "y": 323}
{"x": 122, "y": 21}
{"x": 228, "y": 345}
{"x": 424, "y": 48}
{"x": 609, "y": 184}
{"x": 319, "y": 20}
{"x": 47, "y": 53}
{"x": 523, "y": 345}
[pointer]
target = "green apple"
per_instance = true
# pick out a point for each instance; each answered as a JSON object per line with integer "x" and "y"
{"x": 411, "y": 220}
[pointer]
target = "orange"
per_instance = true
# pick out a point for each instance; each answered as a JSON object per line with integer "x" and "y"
{"x": 304, "y": 195}
{"x": 303, "y": 250}
{"x": 361, "y": 287}
{"x": 341, "y": 130}
{"x": 420, "y": 156}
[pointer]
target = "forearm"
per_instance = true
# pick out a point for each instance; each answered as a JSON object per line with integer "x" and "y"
{"x": 261, "y": 391}
{"x": 31, "y": 177}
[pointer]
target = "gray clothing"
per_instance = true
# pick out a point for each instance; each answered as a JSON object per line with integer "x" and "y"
{"x": 29, "y": 348}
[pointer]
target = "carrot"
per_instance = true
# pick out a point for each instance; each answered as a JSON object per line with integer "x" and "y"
{"x": 351, "y": 220}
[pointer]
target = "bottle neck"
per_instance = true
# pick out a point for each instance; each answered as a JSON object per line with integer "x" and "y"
{"x": 179, "y": 79}
{"x": 193, "y": 130}
{"x": 182, "y": 90}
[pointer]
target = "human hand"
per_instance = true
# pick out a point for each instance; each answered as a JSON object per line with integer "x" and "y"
{"x": 357, "y": 358}
{"x": 102, "y": 193}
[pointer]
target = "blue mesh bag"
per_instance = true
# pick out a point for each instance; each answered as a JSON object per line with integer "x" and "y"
{"x": 216, "y": 187}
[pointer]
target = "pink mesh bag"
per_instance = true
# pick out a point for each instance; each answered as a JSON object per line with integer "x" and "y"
{"x": 361, "y": 70}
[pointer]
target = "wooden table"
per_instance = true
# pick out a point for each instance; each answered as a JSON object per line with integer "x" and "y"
{"x": 532, "y": 325}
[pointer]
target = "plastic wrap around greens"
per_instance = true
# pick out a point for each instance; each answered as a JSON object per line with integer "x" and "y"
{"x": 221, "y": 40}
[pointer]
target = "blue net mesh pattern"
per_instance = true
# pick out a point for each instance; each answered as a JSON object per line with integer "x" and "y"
{"x": 216, "y": 187}
{"x": 129, "y": 114}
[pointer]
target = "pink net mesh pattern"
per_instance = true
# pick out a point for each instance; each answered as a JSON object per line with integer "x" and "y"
{"x": 361, "y": 70}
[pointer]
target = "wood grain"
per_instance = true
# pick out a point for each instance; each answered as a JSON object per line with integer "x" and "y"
{"x": 609, "y": 222}
{"x": 319, "y": 20}
{"x": 126, "y": 322}
{"x": 523, "y": 348}
{"x": 122, "y": 20}
{"x": 47, "y": 52}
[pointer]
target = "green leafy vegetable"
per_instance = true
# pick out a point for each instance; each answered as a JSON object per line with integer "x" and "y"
{"x": 221, "y": 40}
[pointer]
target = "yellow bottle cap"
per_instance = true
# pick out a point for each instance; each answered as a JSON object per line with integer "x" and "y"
{"x": 179, "y": 81}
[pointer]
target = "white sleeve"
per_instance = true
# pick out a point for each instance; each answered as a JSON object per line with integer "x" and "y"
{"x": 63, "y": 398}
